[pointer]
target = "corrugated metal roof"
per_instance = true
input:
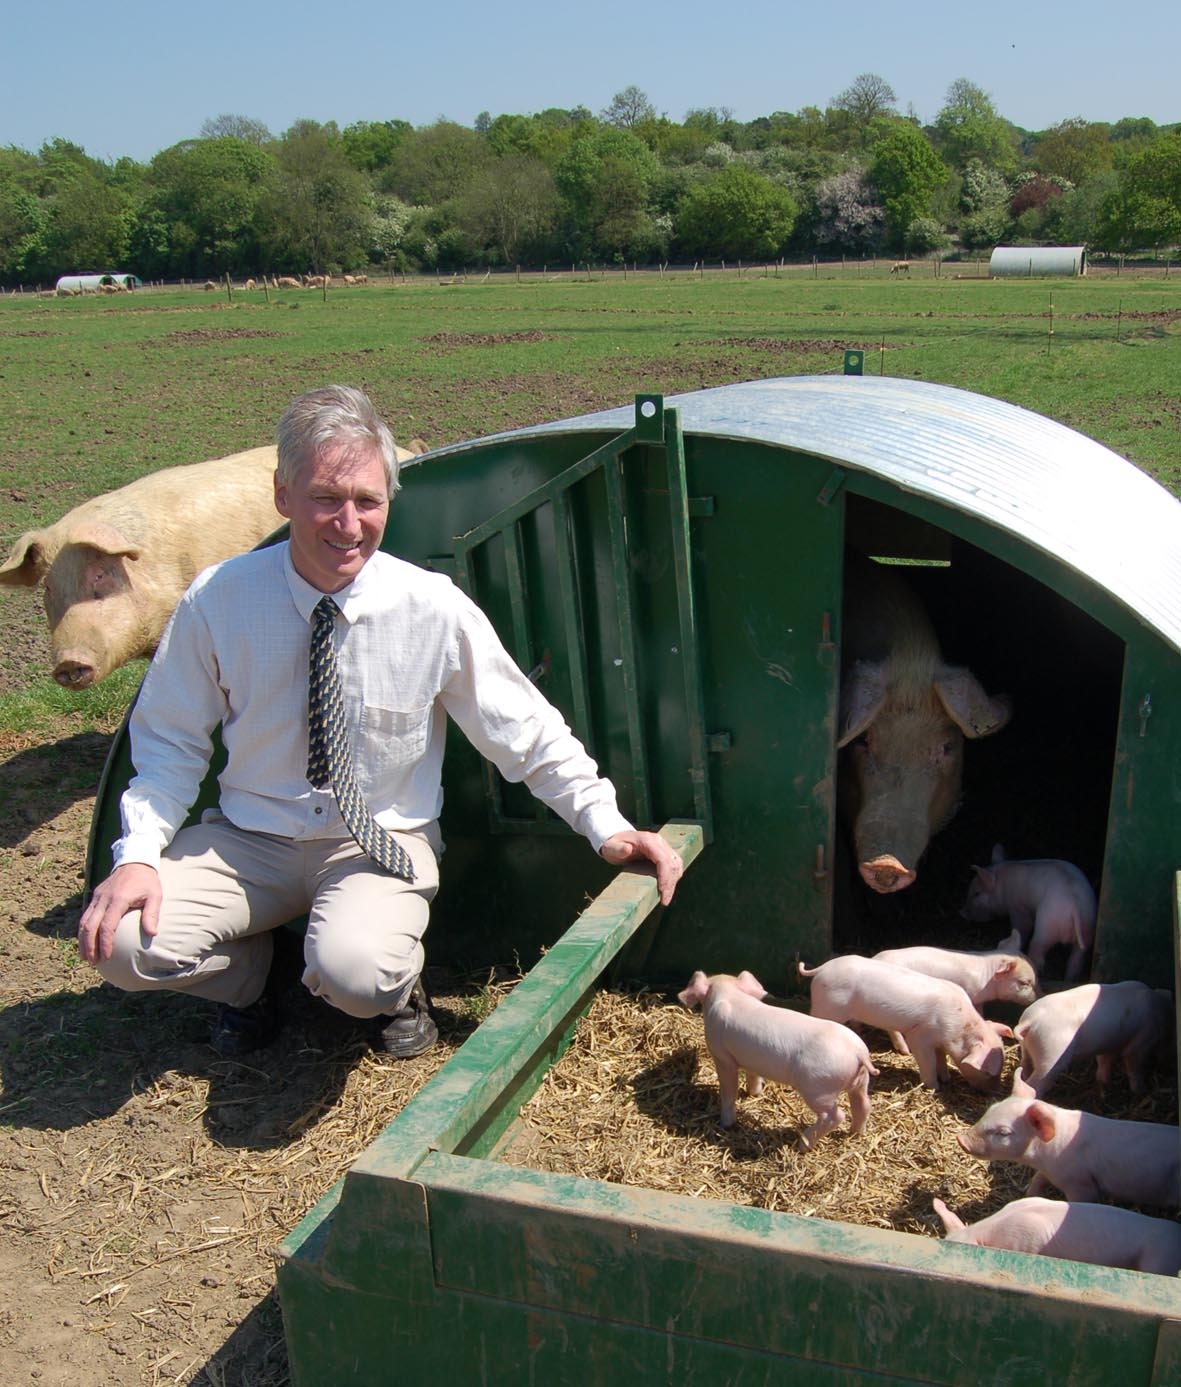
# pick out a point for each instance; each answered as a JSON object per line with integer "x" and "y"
{"x": 1048, "y": 485}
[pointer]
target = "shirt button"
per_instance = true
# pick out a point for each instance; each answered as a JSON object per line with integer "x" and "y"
{"x": 319, "y": 810}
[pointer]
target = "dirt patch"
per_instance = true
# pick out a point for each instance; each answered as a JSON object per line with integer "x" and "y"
{"x": 484, "y": 339}
{"x": 144, "y": 1182}
{"x": 208, "y": 336}
{"x": 802, "y": 345}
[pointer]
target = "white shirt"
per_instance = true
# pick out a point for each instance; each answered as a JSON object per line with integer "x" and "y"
{"x": 411, "y": 648}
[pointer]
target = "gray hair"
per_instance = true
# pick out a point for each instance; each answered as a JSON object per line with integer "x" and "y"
{"x": 332, "y": 416}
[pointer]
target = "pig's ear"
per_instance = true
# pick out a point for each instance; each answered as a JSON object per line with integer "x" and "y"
{"x": 694, "y": 994}
{"x": 96, "y": 534}
{"x": 1020, "y": 1088}
{"x": 863, "y": 691}
{"x": 1011, "y": 945}
{"x": 998, "y": 853}
{"x": 986, "y": 877}
{"x": 27, "y": 561}
{"x": 1005, "y": 1032}
{"x": 750, "y": 984}
{"x": 1041, "y": 1116}
{"x": 951, "y": 1222}
{"x": 968, "y": 706}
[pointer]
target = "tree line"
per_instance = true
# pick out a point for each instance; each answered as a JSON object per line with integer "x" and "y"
{"x": 567, "y": 186}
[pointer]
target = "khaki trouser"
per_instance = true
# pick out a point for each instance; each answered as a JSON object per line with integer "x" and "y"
{"x": 226, "y": 889}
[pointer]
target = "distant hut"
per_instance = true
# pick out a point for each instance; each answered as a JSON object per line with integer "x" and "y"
{"x": 94, "y": 282}
{"x": 1008, "y": 262}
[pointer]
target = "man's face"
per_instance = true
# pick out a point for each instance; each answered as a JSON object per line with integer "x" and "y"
{"x": 337, "y": 507}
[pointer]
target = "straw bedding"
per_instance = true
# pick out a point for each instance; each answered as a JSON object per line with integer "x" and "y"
{"x": 635, "y": 1101}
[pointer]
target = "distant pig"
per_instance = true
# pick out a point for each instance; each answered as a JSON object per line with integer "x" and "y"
{"x": 819, "y": 1059}
{"x": 1098, "y": 1233}
{"x": 936, "y": 1018}
{"x": 999, "y": 975}
{"x": 1086, "y": 1157}
{"x": 904, "y": 714}
{"x": 115, "y": 566}
{"x": 1128, "y": 1021}
{"x": 1047, "y": 901}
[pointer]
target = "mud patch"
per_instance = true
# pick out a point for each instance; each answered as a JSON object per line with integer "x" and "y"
{"x": 207, "y": 336}
{"x": 485, "y": 339}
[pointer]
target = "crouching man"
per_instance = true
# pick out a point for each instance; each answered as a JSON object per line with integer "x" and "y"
{"x": 331, "y": 668}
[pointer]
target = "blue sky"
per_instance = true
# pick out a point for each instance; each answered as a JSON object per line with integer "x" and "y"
{"x": 132, "y": 78}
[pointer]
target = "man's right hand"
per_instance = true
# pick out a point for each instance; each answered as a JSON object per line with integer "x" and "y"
{"x": 133, "y": 886}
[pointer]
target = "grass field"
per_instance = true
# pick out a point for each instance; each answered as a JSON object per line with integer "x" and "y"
{"x": 97, "y": 391}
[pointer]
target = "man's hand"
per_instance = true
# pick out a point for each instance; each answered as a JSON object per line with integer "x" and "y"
{"x": 623, "y": 850}
{"x": 133, "y": 886}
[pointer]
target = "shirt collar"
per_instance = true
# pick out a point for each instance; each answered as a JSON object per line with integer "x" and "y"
{"x": 352, "y": 600}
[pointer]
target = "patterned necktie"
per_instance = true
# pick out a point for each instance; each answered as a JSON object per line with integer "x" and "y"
{"x": 329, "y": 757}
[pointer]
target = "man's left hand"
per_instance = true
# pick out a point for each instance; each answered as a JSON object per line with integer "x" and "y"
{"x": 624, "y": 849}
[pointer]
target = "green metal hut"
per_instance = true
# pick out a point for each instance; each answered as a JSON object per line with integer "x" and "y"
{"x": 671, "y": 575}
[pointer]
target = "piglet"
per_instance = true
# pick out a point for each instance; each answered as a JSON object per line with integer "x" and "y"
{"x": 1128, "y": 1021}
{"x": 936, "y": 1018}
{"x": 1086, "y": 1157}
{"x": 1099, "y": 1233}
{"x": 1048, "y": 901}
{"x": 1003, "y": 974}
{"x": 819, "y": 1059}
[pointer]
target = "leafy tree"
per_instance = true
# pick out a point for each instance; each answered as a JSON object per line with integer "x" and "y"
{"x": 22, "y": 223}
{"x": 372, "y": 145}
{"x": 605, "y": 179}
{"x": 925, "y": 235}
{"x": 1145, "y": 208}
{"x": 200, "y": 208}
{"x": 1074, "y": 150}
{"x": 866, "y": 99}
{"x": 968, "y": 127}
{"x": 628, "y": 108}
{"x": 244, "y": 128}
{"x": 435, "y": 163}
{"x": 906, "y": 171}
{"x": 849, "y": 217}
{"x": 738, "y": 215}
{"x": 512, "y": 206}
{"x": 319, "y": 212}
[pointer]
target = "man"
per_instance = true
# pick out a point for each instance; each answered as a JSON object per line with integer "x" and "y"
{"x": 394, "y": 653}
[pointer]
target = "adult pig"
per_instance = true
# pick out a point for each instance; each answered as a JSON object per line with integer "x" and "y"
{"x": 115, "y": 566}
{"x": 1048, "y": 902}
{"x": 1099, "y": 1233}
{"x": 935, "y": 1018}
{"x": 1128, "y": 1021}
{"x": 1002, "y": 974}
{"x": 904, "y": 714}
{"x": 1086, "y": 1157}
{"x": 820, "y": 1059}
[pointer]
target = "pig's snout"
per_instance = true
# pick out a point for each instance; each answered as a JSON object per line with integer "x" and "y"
{"x": 75, "y": 674}
{"x": 885, "y": 874}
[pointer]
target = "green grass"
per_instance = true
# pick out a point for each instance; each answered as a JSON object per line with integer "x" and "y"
{"x": 95, "y": 392}
{"x": 45, "y": 708}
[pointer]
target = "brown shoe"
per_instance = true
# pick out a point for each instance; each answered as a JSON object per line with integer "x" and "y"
{"x": 411, "y": 1031}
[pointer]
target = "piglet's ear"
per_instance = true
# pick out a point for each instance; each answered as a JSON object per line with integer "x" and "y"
{"x": 751, "y": 985}
{"x": 695, "y": 993}
{"x": 1020, "y": 1088}
{"x": 1041, "y": 1116}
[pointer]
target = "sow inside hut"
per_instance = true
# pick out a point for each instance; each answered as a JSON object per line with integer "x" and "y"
{"x": 673, "y": 575}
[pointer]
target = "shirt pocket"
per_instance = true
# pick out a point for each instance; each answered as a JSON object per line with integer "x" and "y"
{"x": 391, "y": 737}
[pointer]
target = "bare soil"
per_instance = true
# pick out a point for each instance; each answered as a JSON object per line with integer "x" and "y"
{"x": 144, "y": 1182}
